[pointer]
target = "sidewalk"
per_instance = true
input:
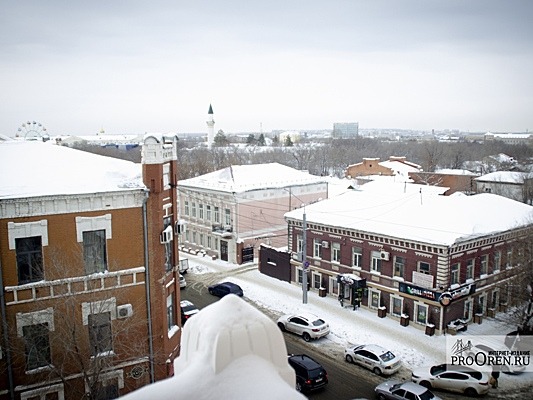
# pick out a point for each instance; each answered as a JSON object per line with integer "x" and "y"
{"x": 352, "y": 327}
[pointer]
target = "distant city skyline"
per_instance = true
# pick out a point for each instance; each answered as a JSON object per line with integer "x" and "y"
{"x": 140, "y": 67}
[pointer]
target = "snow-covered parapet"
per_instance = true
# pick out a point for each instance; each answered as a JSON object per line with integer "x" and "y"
{"x": 229, "y": 350}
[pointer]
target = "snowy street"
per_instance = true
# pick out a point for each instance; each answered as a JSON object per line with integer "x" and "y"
{"x": 361, "y": 326}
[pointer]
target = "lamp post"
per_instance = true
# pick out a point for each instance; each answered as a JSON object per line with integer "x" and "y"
{"x": 304, "y": 259}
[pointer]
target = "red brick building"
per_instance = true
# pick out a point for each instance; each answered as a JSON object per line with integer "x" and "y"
{"x": 88, "y": 277}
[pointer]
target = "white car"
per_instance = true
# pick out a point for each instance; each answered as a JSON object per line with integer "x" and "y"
{"x": 453, "y": 378}
{"x": 487, "y": 351}
{"x": 376, "y": 358}
{"x": 398, "y": 390}
{"x": 307, "y": 325}
{"x": 183, "y": 282}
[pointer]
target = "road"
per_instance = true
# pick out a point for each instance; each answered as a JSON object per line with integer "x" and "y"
{"x": 346, "y": 381}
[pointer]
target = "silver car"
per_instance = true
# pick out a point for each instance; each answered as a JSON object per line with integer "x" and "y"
{"x": 307, "y": 325}
{"x": 453, "y": 378}
{"x": 398, "y": 390}
{"x": 376, "y": 358}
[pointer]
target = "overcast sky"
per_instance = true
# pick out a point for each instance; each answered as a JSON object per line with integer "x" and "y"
{"x": 139, "y": 66}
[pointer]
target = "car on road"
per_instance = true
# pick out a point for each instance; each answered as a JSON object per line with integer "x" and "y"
{"x": 188, "y": 309}
{"x": 307, "y": 325}
{"x": 402, "y": 390}
{"x": 453, "y": 378}
{"x": 183, "y": 282}
{"x": 225, "y": 288}
{"x": 310, "y": 374}
{"x": 374, "y": 357}
{"x": 488, "y": 351}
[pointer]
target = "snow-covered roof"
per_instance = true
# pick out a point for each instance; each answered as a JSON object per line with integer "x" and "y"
{"x": 399, "y": 167}
{"x": 449, "y": 171}
{"x": 31, "y": 169}
{"x": 504, "y": 177}
{"x": 243, "y": 178}
{"x": 427, "y": 218}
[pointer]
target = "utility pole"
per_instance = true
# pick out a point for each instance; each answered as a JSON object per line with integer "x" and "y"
{"x": 304, "y": 259}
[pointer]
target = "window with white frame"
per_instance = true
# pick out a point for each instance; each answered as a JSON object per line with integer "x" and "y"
{"x": 186, "y": 207}
{"x": 217, "y": 215}
{"x": 396, "y": 305}
{"x": 468, "y": 309}
{"x": 357, "y": 257}
{"x": 299, "y": 275}
{"x": 202, "y": 243}
{"x": 171, "y": 312}
{"x": 424, "y": 268}
{"x": 209, "y": 241}
{"x": 454, "y": 273}
{"x": 421, "y": 313}
{"x": 94, "y": 251}
{"x": 399, "y": 266}
{"x": 100, "y": 334}
{"x": 227, "y": 216}
{"x": 29, "y": 253}
{"x": 375, "y": 261}
{"x": 484, "y": 264}
{"x": 44, "y": 393}
{"x": 317, "y": 280}
{"x": 169, "y": 255}
{"x": 193, "y": 237}
{"x": 333, "y": 285}
{"x": 299, "y": 244}
{"x": 201, "y": 211}
{"x": 317, "y": 248}
{"x": 375, "y": 297}
{"x": 208, "y": 212}
{"x": 193, "y": 209}
{"x": 336, "y": 252}
{"x": 470, "y": 269}
{"x": 166, "y": 176}
{"x": 497, "y": 260}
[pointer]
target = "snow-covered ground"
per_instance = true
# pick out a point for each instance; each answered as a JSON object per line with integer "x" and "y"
{"x": 348, "y": 326}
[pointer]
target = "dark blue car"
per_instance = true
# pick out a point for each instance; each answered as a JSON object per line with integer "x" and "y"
{"x": 224, "y": 288}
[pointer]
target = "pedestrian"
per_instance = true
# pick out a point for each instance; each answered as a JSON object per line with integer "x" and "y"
{"x": 494, "y": 378}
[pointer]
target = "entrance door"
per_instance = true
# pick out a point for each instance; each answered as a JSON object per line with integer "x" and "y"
{"x": 224, "y": 250}
{"x": 248, "y": 254}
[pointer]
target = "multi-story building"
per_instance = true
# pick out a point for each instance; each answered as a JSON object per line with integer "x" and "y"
{"x": 227, "y": 213}
{"x": 408, "y": 253}
{"x": 88, "y": 278}
{"x": 345, "y": 130}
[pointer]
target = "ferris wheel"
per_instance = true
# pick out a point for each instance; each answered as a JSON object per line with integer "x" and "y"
{"x": 33, "y": 131}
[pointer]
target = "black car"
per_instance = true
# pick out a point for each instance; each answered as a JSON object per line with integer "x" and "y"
{"x": 188, "y": 309}
{"x": 224, "y": 288}
{"x": 310, "y": 375}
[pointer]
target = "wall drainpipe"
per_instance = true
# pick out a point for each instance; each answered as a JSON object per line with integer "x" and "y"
{"x": 148, "y": 298}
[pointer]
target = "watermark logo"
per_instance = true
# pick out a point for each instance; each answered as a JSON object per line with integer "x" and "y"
{"x": 511, "y": 353}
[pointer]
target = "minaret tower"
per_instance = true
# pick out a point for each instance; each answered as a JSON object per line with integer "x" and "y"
{"x": 210, "y": 127}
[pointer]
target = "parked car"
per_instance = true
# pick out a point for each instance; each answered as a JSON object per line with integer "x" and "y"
{"x": 403, "y": 390}
{"x": 487, "y": 351}
{"x": 188, "y": 309}
{"x": 452, "y": 378}
{"x": 307, "y": 325}
{"x": 376, "y": 358}
{"x": 225, "y": 288}
{"x": 183, "y": 282}
{"x": 310, "y": 374}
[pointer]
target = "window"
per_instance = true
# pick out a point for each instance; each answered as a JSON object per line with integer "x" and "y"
{"x": 469, "y": 306}
{"x": 217, "y": 215}
{"x": 227, "y": 216}
{"x": 29, "y": 259}
{"x": 169, "y": 255}
{"x": 171, "y": 320}
{"x": 107, "y": 391}
{"x": 317, "y": 248}
{"x": 208, "y": 242}
{"x": 166, "y": 176}
{"x": 94, "y": 251}
{"x": 37, "y": 345}
{"x": 193, "y": 210}
{"x": 357, "y": 257}
{"x": 454, "y": 274}
{"x": 399, "y": 266}
{"x": 333, "y": 286}
{"x": 424, "y": 268}
{"x": 396, "y": 306}
{"x": 375, "y": 263}
{"x": 336, "y": 252}
{"x": 100, "y": 333}
{"x": 497, "y": 260}
{"x": 186, "y": 207}
{"x": 208, "y": 213}
{"x": 374, "y": 299}
{"x": 484, "y": 265}
{"x": 299, "y": 273}
{"x": 202, "y": 242}
{"x": 201, "y": 211}
{"x": 299, "y": 244}
{"x": 317, "y": 281}
{"x": 470, "y": 269}
{"x": 421, "y": 314}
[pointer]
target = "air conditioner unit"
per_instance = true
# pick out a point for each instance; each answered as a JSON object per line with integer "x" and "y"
{"x": 179, "y": 227}
{"x": 384, "y": 255}
{"x": 166, "y": 235}
{"x": 325, "y": 244}
{"x": 124, "y": 311}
